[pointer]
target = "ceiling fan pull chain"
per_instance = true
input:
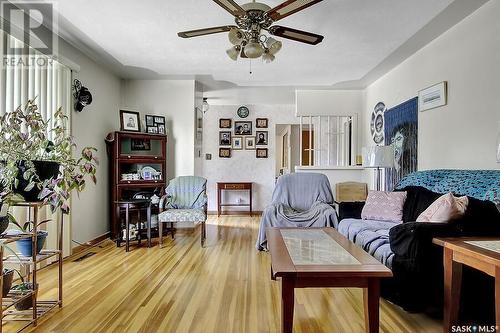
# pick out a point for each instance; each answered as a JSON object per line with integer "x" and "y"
{"x": 250, "y": 62}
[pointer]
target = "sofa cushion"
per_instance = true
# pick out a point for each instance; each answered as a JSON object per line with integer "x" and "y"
{"x": 418, "y": 199}
{"x": 446, "y": 208}
{"x": 371, "y": 236}
{"x": 384, "y": 206}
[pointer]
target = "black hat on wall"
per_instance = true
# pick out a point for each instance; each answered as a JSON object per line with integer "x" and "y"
{"x": 82, "y": 95}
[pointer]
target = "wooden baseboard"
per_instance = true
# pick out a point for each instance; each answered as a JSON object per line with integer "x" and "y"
{"x": 80, "y": 248}
{"x": 235, "y": 212}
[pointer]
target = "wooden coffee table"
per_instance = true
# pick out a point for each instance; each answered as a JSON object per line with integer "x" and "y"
{"x": 322, "y": 257}
{"x": 479, "y": 253}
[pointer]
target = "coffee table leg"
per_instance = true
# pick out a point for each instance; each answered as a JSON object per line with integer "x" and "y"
{"x": 452, "y": 286}
{"x": 287, "y": 304}
{"x": 497, "y": 295}
{"x": 371, "y": 296}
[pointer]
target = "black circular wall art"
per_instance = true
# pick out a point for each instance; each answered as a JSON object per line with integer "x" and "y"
{"x": 243, "y": 112}
{"x": 377, "y": 123}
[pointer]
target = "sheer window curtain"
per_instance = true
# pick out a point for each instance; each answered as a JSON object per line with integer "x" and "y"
{"x": 50, "y": 82}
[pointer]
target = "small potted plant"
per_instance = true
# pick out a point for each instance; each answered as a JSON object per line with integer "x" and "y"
{"x": 7, "y": 278}
{"x": 25, "y": 245}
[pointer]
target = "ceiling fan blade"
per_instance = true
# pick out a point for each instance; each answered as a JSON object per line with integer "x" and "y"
{"x": 296, "y": 35}
{"x": 232, "y": 7}
{"x": 289, "y": 7}
{"x": 206, "y": 31}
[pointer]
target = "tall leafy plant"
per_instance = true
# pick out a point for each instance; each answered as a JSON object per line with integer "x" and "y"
{"x": 25, "y": 137}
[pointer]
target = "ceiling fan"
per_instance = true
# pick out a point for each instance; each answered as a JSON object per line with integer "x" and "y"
{"x": 251, "y": 20}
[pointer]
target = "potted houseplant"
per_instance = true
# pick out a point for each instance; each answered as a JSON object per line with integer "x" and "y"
{"x": 25, "y": 245}
{"x": 37, "y": 160}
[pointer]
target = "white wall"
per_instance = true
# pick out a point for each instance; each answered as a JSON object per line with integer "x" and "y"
{"x": 243, "y": 166}
{"x": 329, "y": 102}
{"x": 90, "y": 209}
{"x": 175, "y": 100}
{"x": 463, "y": 134}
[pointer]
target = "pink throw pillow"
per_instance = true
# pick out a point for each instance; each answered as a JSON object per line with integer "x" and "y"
{"x": 447, "y": 207}
{"x": 384, "y": 206}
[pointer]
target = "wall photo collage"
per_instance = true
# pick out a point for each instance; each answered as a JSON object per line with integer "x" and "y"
{"x": 239, "y": 135}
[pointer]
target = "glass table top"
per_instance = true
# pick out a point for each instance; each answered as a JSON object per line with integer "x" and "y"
{"x": 315, "y": 247}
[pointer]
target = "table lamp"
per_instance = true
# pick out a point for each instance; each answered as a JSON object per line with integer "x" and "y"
{"x": 378, "y": 157}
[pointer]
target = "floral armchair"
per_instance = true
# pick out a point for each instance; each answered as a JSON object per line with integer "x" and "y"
{"x": 185, "y": 201}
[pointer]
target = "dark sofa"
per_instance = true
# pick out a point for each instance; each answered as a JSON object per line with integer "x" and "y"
{"x": 407, "y": 248}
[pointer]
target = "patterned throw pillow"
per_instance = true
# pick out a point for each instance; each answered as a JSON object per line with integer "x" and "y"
{"x": 384, "y": 206}
{"x": 446, "y": 208}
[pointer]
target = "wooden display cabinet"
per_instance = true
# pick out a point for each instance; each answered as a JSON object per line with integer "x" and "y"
{"x": 129, "y": 153}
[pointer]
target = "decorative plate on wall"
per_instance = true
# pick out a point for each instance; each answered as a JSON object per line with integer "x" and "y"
{"x": 243, "y": 112}
{"x": 377, "y": 123}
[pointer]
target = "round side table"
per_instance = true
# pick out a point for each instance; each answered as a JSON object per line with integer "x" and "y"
{"x": 128, "y": 206}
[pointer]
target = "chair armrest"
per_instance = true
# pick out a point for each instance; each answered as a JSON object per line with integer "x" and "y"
{"x": 163, "y": 202}
{"x": 413, "y": 240}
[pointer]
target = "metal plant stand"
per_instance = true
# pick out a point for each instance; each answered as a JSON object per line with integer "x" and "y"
{"x": 31, "y": 264}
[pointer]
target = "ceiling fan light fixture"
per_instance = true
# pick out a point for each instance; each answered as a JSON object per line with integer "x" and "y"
{"x": 274, "y": 45}
{"x": 235, "y": 36}
{"x": 234, "y": 52}
{"x": 253, "y": 49}
{"x": 267, "y": 57}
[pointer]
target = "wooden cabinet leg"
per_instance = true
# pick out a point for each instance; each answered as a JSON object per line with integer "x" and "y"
{"x": 371, "y": 297}
{"x": 287, "y": 304}
{"x": 127, "y": 229}
{"x": 452, "y": 286}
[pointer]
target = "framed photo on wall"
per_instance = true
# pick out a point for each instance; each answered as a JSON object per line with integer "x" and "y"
{"x": 225, "y": 138}
{"x": 262, "y": 138}
{"x": 237, "y": 143}
{"x": 224, "y": 152}
{"x": 249, "y": 143}
{"x": 433, "y": 97}
{"x": 225, "y": 123}
{"x": 130, "y": 121}
{"x": 261, "y": 153}
{"x": 243, "y": 128}
{"x": 261, "y": 123}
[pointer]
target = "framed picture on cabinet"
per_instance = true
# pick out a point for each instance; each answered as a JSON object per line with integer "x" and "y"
{"x": 155, "y": 124}
{"x": 130, "y": 121}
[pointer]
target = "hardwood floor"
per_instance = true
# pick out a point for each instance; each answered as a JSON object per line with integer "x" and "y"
{"x": 225, "y": 287}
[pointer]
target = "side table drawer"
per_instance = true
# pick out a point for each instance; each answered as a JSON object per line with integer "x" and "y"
{"x": 235, "y": 187}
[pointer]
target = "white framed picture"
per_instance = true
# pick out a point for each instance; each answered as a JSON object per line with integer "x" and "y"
{"x": 237, "y": 143}
{"x": 249, "y": 143}
{"x": 433, "y": 97}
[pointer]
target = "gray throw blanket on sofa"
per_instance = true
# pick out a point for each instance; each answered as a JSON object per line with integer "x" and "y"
{"x": 299, "y": 200}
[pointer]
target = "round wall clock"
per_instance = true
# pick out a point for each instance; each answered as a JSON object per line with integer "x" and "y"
{"x": 243, "y": 112}
{"x": 377, "y": 123}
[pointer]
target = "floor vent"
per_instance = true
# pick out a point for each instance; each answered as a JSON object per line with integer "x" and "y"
{"x": 85, "y": 256}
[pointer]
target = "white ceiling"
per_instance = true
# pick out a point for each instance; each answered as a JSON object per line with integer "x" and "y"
{"x": 359, "y": 35}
